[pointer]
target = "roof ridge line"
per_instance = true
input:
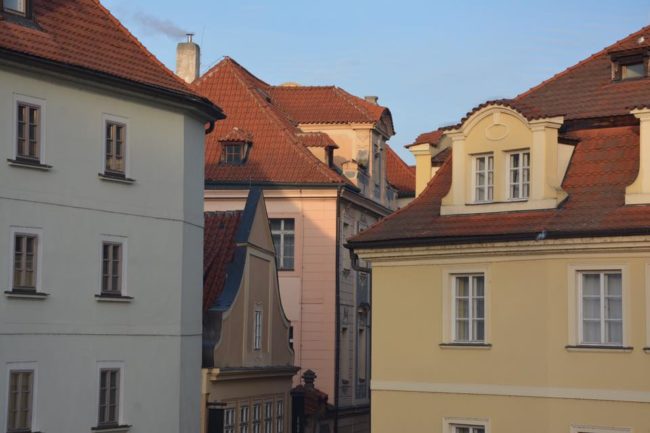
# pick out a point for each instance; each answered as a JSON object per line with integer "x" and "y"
{"x": 347, "y": 97}
{"x": 577, "y": 65}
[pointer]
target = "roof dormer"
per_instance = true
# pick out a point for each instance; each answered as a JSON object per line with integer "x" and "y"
{"x": 235, "y": 146}
{"x": 504, "y": 161}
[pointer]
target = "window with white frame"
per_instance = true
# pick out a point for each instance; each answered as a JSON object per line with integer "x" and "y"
{"x": 115, "y": 149}
{"x": 469, "y": 308}
{"x": 25, "y": 260}
{"x": 279, "y": 416}
{"x": 257, "y": 417}
{"x": 283, "y": 233}
{"x": 112, "y": 257}
{"x": 229, "y": 420}
{"x": 519, "y": 175}
{"x": 455, "y": 428}
{"x": 109, "y": 397}
{"x": 258, "y": 328}
{"x": 268, "y": 416}
{"x": 243, "y": 418}
{"x": 483, "y": 178}
{"x": 20, "y": 400}
{"x": 601, "y": 308}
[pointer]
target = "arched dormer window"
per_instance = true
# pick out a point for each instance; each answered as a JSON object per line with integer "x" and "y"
{"x": 235, "y": 146}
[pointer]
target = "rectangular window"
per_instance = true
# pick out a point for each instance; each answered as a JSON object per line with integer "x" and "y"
{"x": 20, "y": 401}
{"x": 109, "y": 395}
{"x": 519, "y": 176}
{"x": 601, "y": 308}
{"x": 257, "y": 331}
{"x": 257, "y": 417}
{"x": 15, "y": 6}
{"x": 28, "y": 132}
{"x": 243, "y": 419}
{"x": 483, "y": 178}
{"x": 283, "y": 232}
{"x": 467, "y": 429}
{"x": 632, "y": 70}
{"x": 232, "y": 153}
{"x": 111, "y": 268}
{"x": 279, "y": 417}
{"x": 25, "y": 258}
{"x": 115, "y": 155}
{"x": 229, "y": 420}
{"x": 268, "y": 417}
{"x": 469, "y": 309}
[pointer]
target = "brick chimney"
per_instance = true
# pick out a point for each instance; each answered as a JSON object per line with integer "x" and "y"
{"x": 188, "y": 60}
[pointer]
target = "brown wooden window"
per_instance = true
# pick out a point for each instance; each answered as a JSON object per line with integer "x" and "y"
{"x": 233, "y": 153}
{"x": 19, "y": 413}
{"x": 25, "y": 249}
{"x": 28, "y": 134}
{"x": 109, "y": 396}
{"x": 111, "y": 268}
{"x": 115, "y": 157}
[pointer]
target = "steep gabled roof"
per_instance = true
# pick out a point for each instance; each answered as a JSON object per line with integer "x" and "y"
{"x": 586, "y": 90}
{"x": 400, "y": 175}
{"x": 277, "y": 154}
{"x": 605, "y": 161}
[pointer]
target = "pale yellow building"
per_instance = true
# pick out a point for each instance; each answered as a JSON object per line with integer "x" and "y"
{"x": 513, "y": 294}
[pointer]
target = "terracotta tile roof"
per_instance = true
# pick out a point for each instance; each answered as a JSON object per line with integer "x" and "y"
{"x": 399, "y": 174}
{"x": 218, "y": 252}
{"x": 325, "y": 104}
{"x": 277, "y": 154}
{"x": 83, "y": 33}
{"x": 605, "y": 161}
{"x": 439, "y": 158}
{"x": 432, "y": 137}
{"x": 316, "y": 139}
{"x": 586, "y": 90}
{"x": 237, "y": 135}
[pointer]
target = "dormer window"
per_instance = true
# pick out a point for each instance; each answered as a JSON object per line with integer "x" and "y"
{"x": 633, "y": 70}
{"x": 483, "y": 178}
{"x": 629, "y": 67}
{"x": 519, "y": 175}
{"x": 235, "y": 146}
{"x": 233, "y": 153}
{"x": 15, "y": 6}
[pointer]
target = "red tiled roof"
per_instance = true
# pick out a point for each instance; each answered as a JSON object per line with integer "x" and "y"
{"x": 605, "y": 161}
{"x": 316, "y": 139}
{"x": 237, "y": 135}
{"x": 325, "y": 104}
{"x": 84, "y": 34}
{"x": 277, "y": 154}
{"x": 218, "y": 252}
{"x": 586, "y": 90}
{"x": 439, "y": 158}
{"x": 432, "y": 137}
{"x": 399, "y": 174}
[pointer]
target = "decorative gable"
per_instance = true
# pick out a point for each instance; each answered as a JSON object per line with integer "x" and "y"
{"x": 503, "y": 161}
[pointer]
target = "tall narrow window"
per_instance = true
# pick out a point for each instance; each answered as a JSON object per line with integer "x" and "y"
{"x": 19, "y": 413}
{"x": 483, "y": 178}
{"x": 283, "y": 232}
{"x": 25, "y": 255}
{"x": 243, "y": 419}
{"x": 115, "y": 156}
{"x": 469, "y": 309}
{"x": 279, "y": 417}
{"x": 15, "y": 6}
{"x": 519, "y": 183}
{"x": 111, "y": 268}
{"x": 109, "y": 395}
{"x": 229, "y": 420}
{"x": 268, "y": 416}
{"x": 257, "y": 330}
{"x": 28, "y": 132}
{"x": 257, "y": 417}
{"x": 602, "y": 308}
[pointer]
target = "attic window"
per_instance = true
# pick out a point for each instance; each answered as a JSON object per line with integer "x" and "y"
{"x": 15, "y": 6}
{"x": 633, "y": 70}
{"x": 629, "y": 67}
{"x": 233, "y": 153}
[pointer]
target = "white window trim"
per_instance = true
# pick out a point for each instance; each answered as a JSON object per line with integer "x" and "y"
{"x": 521, "y": 183}
{"x": 449, "y": 422}
{"x": 593, "y": 429}
{"x": 115, "y": 239}
{"x": 448, "y": 311}
{"x": 453, "y": 308}
{"x": 42, "y": 104}
{"x": 127, "y": 142}
{"x": 574, "y": 284}
{"x": 32, "y": 365}
{"x": 38, "y": 232}
{"x": 121, "y": 408}
{"x": 602, "y": 324}
{"x": 297, "y": 238}
{"x": 473, "y": 174}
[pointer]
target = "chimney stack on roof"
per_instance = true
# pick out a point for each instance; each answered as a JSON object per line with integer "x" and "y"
{"x": 188, "y": 60}
{"x": 372, "y": 99}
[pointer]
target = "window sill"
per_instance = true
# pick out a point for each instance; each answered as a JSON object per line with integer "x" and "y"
{"x": 482, "y": 346}
{"x": 647, "y": 350}
{"x": 111, "y": 428}
{"x": 113, "y": 298}
{"x": 26, "y": 294}
{"x": 114, "y": 178}
{"x": 26, "y": 163}
{"x": 598, "y": 348}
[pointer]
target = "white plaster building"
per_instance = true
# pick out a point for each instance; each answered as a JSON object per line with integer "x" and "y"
{"x": 101, "y": 227}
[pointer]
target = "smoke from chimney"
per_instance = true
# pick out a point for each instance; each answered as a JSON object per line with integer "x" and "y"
{"x": 157, "y": 25}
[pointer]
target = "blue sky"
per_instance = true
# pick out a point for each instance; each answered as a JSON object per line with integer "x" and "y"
{"x": 428, "y": 61}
